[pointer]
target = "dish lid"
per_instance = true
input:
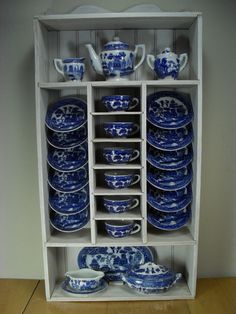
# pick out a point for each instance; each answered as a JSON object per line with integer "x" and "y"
{"x": 116, "y": 44}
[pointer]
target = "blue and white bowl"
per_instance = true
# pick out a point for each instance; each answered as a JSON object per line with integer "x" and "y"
{"x": 121, "y": 228}
{"x": 69, "y": 203}
{"x": 150, "y": 278}
{"x": 119, "y": 204}
{"x": 169, "y": 201}
{"x": 121, "y": 179}
{"x": 168, "y": 221}
{"x": 121, "y": 129}
{"x": 68, "y": 159}
{"x": 169, "y": 180}
{"x": 85, "y": 279}
{"x": 69, "y": 181}
{"x": 72, "y": 69}
{"x": 169, "y": 109}
{"x": 119, "y": 102}
{"x": 170, "y": 160}
{"x": 120, "y": 155}
{"x": 69, "y": 223}
{"x": 165, "y": 139}
{"x": 66, "y": 114}
{"x": 67, "y": 139}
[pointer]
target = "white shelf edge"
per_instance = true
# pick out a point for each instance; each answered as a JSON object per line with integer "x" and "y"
{"x": 123, "y": 293}
{"x": 161, "y": 83}
{"x": 117, "y": 113}
{"x": 119, "y": 166}
{"x": 117, "y": 140}
{"x": 106, "y": 191}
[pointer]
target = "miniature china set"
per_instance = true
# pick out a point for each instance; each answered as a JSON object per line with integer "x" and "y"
{"x": 169, "y": 171}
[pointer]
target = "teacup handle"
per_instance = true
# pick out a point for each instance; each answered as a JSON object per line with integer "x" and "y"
{"x": 136, "y": 180}
{"x": 142, "y": 47}
{"x": 135, "y": 102}
{"x": 59, "y": 65}
{"x": 136, "y": 228}
{"x": 150, "y": 61}
{"x": 183, "y": 59}
{"x": 135, "y": 203}
{"x": 136, "y": 154}
{"x": 136, "y": 129}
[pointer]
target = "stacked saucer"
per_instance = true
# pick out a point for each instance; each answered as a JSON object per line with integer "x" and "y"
{"x": 66, "y": 122}
{"x": 169, "y": 156}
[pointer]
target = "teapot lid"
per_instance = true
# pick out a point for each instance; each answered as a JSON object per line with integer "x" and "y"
{"x": 116, "y": 44}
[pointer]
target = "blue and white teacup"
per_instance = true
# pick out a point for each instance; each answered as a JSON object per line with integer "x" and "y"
{"x": 121, "y": 228}
{"x": 121, "y": 179}
{"x": 167, "y": 64}
{"x": 119, "y": 102}
{"x": 72, "y": 69}
{"x": 121, "y": 129}
{"x": 119, "y": 204}
{"x": 120, "y": 155}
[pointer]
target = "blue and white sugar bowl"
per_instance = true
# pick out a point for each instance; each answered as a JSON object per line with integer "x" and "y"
{"x": 116, "y": 61}
{"x": 72, "y": 69}
{"x": 121, "y": 228}
{"x": 167, "y": 65}
{"x": 119, "y": 102}
{"x": 119, "y": 204}
{"x": 120, "y": 155}
{"x": 121, "y": 129}
{"x": 150, "y": 278}
{"x": 121, "y": 179}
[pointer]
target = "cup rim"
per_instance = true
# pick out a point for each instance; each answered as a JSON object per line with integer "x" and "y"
{"x": 115, "y": 200}
{"x": 117, "y": 175}
{"x": 122, "y": 96}
{"x": 67, "y": 60}
{"x": 116, "y": 122}
{"x": 120, "y": 148}
{"x": 119, "y": 223}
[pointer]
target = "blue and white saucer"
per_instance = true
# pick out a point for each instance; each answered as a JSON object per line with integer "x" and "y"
{"x": 169, "y": 180}
{"x": 169, "y": 201}
{"x": 169, "y": 109}
{"x": 70, "y": 223}
{"x": 70, "y": 159}
{"x": 165, "y": 139}
{"x": 170, "y": 160}
{"x": 100, "y": 288}
{"x": 69, "y": 203}
{"x": 66, "y": 114}
{"x": 68, "y": 181}
{"x": 67, "y": 139}
{"x": 168, "y": 221}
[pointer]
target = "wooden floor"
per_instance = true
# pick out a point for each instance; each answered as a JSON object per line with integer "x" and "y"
{"x": 216, "y": 296}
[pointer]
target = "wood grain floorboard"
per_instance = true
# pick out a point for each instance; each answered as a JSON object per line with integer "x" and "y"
{"x": 214, "y": 296}
{"x": 15, "y": 294}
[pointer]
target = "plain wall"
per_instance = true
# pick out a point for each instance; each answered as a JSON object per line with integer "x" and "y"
{"x": 20, "y": 233}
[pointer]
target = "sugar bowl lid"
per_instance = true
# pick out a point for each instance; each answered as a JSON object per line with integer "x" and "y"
{"x": 151, "y": 272}
{"x": 116, "y": 44}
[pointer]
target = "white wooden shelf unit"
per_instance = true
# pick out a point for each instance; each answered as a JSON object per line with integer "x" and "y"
{"x": 65, "y": 36}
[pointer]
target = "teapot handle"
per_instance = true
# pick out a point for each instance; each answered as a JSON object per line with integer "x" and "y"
{"x": 142, "y": 47}
{"x": 59, "y": 65}
{"x": 183, "y": 59}
{"x": 150, "y": 61}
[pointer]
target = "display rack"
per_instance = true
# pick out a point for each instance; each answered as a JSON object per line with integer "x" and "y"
{"x": 65, "y": 36}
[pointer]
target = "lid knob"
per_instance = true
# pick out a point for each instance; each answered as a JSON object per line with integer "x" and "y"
{"x": 116, "y": 38}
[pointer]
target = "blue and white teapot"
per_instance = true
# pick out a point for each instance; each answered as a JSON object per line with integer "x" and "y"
{"x": 116, "y": 61}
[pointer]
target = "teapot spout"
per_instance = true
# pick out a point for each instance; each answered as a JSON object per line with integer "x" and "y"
{"x": 95, "y": 60}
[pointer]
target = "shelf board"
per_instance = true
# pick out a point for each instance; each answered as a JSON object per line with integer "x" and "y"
{"x": 132, "y": 214}
{"x": 121, "y": 20}
{"x": 106, "y": 191}
{"x": 177, "y": 237}
{"x": 103, "y": 239}
{"x": 117, "y": 113}
{"x": 110, "y": 84}
{"x": 123, "y": 293}
{"x": 119, "y": 166}
{"x": 79, "y": 238}
{"x": 117, "y": 140}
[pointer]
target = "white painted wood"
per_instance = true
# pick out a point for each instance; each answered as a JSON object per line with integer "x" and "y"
{"x": 67, "y": 37}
